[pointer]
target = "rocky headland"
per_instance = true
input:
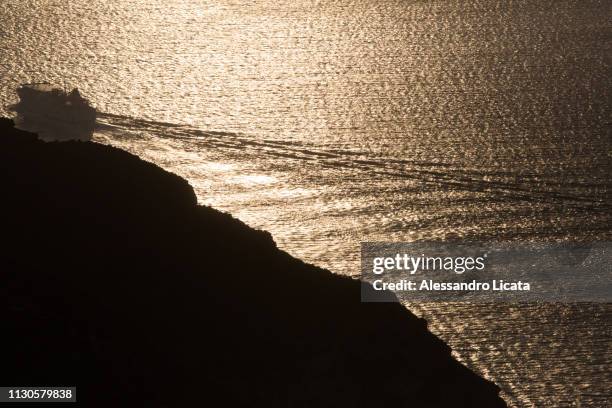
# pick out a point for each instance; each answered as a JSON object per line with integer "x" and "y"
{"x": 115, "y": 280}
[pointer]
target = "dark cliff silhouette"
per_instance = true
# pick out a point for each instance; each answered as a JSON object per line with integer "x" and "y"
{"x": 116, "y": 281}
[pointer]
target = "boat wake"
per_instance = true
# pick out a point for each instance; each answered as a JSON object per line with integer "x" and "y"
{"x": 414, "y": 175}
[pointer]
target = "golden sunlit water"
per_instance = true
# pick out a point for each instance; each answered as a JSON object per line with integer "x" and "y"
{"x": 329, "y": 123}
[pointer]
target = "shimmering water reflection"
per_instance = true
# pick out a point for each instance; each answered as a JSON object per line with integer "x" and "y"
{"x": 331, "y": 123}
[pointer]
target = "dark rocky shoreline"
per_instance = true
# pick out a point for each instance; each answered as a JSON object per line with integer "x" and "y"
{"x": 116, "y": 281}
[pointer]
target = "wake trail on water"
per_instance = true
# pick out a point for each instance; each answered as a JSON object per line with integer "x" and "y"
{"x": 500, "y": 185}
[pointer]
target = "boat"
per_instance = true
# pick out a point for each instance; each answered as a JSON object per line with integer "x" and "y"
{"x": 54, "y": 113}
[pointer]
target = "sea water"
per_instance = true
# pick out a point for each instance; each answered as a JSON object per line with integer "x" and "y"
{"x": 329, "y": 123}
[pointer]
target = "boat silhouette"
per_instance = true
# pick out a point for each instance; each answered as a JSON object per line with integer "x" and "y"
{"x": 54, "y": 113}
